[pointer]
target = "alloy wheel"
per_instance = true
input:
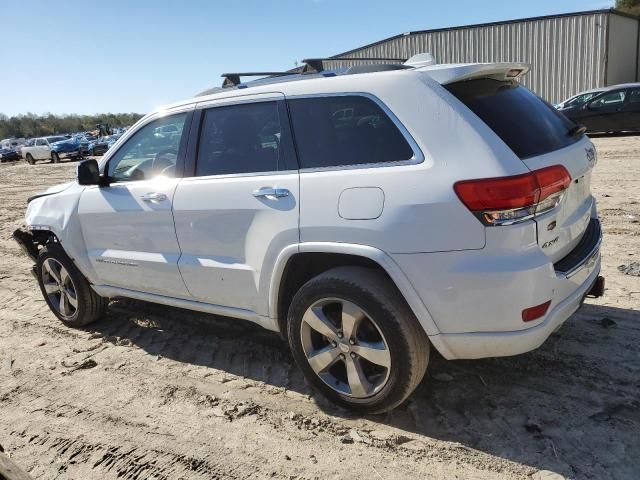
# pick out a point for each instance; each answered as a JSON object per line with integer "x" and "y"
{"x": 59, "y": 288}
{"x": 345, "y": 347}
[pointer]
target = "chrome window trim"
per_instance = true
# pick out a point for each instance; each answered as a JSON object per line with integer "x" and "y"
{"x": 417, "y": 158}
{"x": 240, "y": 99}
{"x": 269, "y": 173}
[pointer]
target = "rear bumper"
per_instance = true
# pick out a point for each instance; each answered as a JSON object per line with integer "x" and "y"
{"x": 476, "y": 298}
{"x": 502, "y": 344}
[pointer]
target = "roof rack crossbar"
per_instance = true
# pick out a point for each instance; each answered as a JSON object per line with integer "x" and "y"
{"x": 316, "y": 65}
{"x": 233, "y": 79}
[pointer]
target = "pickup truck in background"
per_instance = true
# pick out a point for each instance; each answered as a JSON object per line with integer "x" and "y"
{"x": 53, "y": 148}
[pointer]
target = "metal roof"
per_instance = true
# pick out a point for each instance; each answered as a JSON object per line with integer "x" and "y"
{"x": 490, "y": 24}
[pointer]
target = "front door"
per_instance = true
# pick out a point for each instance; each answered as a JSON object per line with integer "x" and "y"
{"x": 239, "y": 208}
{"x": 605, "y": 113}
{"x": 42, "y": 149}
{"x": 632, "y": 111}
{"x": 128, "y": 226}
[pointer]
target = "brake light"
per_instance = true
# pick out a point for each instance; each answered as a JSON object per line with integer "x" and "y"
{"x": 533, "y": 313}
{"x": 508, "y": 200}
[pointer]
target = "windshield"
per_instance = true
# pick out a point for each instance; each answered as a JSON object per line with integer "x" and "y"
{"x": 526, "y": 123}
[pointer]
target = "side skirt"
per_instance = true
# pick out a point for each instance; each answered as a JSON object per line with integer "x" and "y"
{"x": 112, "y": 292}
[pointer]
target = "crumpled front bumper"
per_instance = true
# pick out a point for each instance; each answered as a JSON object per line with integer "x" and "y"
{"x": 27, "y": 242}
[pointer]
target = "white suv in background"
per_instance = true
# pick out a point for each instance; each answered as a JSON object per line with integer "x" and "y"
{"x": 365, "y": 216}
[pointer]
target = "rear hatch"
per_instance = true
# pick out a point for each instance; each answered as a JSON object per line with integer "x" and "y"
{"x": 541, "y": 137}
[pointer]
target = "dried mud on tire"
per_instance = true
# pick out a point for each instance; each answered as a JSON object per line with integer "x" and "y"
{"x": 156, "y": 392}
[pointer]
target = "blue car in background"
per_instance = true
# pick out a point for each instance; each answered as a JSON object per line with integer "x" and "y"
{"x": 101, "y": 145}
{"x": 8, "y": 155}
{"x": 69, "y": 148}
{"x": 83, "y": 142}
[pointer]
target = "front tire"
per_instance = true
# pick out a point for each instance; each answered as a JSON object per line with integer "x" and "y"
{"x": 356, "y": 340}
{"x": 55, "y": 158}
{"x": 30, "y": 159}
{"x": 66, "y": 291}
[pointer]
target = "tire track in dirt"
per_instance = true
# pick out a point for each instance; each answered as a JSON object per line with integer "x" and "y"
{"x": 132, "y": 462}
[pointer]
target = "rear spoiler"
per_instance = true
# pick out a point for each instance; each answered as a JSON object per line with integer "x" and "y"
{"x": 450, "y": 73}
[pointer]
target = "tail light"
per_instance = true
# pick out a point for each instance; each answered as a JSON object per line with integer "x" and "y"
{"x": 508, "y": 200}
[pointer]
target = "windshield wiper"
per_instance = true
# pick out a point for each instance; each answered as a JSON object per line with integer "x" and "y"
{"x": 576, "y": 130}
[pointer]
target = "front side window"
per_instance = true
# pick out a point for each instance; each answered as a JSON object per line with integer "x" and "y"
{"x": 580, "y": 99}
{"x": 609, "y": 100}
{"x": 150, "y": 152}
{"x": 40, "y": 142}
{"x": 345, "y": 130}
{"x": 244, "y": 138}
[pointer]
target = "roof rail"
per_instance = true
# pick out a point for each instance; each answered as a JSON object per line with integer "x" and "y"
{"x": 316, "y": 65}
{"x": 233, "y": 79}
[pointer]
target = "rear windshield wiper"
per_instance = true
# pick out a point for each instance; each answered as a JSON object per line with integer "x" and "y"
{"x": 576, "y": 130}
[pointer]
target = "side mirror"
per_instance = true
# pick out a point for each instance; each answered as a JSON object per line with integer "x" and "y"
{"x": 88, "y": 173}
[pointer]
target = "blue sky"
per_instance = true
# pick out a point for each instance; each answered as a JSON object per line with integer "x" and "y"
{"x": 80, "y": 56}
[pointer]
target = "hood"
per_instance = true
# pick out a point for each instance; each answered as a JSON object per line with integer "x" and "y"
{"x": 51, "y": 190}
{"x": 61, "y": 142}
{"x": 65, "y": 145}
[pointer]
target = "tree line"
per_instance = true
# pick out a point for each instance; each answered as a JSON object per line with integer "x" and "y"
{"x": 31, "y": 125}
{"x": 629, "y": 6}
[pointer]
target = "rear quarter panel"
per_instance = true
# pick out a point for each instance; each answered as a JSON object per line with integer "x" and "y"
{"x": 421, "y": 211}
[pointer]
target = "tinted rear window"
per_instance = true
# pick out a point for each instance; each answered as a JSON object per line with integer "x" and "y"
{"x": 526, "y": 123}
{"x": 345, "y": 130}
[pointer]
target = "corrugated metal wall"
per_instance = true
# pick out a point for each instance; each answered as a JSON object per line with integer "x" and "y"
{"x": 567, "y": 53}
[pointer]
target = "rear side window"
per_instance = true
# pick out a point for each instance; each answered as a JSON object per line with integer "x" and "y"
{"x": 633, "y": 100}
{"x": 345, "y": 130}
{"x": 527, "y": 124}
{"x": 245, "y": 138}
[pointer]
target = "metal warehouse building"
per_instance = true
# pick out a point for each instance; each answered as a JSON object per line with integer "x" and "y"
{"x": 568, "y": 53}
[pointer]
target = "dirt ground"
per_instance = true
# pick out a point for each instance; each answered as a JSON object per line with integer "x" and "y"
{"x": 152, "y": 392}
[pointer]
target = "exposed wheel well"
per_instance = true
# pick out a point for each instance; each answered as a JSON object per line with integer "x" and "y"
{"x": 302, "y": 267}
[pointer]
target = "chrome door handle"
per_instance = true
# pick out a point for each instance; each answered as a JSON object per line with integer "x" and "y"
{"x": 271, "y": 193}
{"x": 153, "y": 197}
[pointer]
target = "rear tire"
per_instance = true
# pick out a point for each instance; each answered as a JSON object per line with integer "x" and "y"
{"x": 379, "y": 364}
{"x": 66, "y": 291}
{"x": 55, "y": 158}
{"x": 30, "y": 159}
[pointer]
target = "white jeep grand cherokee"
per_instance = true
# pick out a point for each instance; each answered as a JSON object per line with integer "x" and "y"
{"x": 366, "y": 216}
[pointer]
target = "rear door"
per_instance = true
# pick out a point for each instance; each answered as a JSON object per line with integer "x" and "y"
{"x": 632, "y": 110}
{"x": 541, "y": 137}
{"x": 238, "y": 208}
